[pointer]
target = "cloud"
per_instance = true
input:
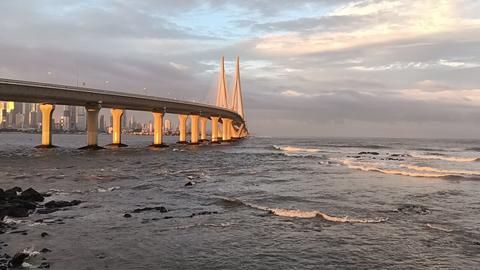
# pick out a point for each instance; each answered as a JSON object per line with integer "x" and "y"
{"x": 292, "y": 93}
{"x": 327, "y": 67}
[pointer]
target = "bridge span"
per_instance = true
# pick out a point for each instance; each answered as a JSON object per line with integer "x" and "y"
{"x": 48, "y": 95}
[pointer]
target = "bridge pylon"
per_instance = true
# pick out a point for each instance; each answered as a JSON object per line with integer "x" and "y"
{"x": 229, "y": 130}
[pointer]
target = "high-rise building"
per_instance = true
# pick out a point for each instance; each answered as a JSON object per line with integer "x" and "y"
{"x": 124, "y": 120}
{"x": 168, "y": 126}
{"x": 17, "y": 110}
{"x": 102, "y": 123}
{"x": 73, "y": 117}
{"x": 81, "y": 121}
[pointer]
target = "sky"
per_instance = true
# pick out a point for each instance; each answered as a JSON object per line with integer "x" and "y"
{"x": 309, "y": 68}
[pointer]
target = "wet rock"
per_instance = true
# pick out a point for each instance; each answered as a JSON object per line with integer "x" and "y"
{"x": 44, "y": 265}
{"x": 61, "y": 204}
{"x": 413, "y": 209}
{"x": 16, "y": 208}
{"x": 44, "y": 234}
{"x": 127, "y": 216}
{"x": 17, "y": 260}
{"x": 369, "y": 153}
{"x": 203, "y": 213}
{"x": 395, "y": 159}
{"x": 12, "y": 193}
{"x": 158, "y": 208}
{"x": 31, "y": 195}
{"x": 190, "y": 184}
{"x": 45, "y": 250}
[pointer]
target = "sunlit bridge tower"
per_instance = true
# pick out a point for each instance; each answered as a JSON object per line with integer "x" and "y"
{"x": 237, "y": 103}
{"x": 228, "y": 131}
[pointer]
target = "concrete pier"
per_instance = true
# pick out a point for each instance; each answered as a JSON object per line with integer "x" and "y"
{"x": 158, "y": 130}
{"x": 92, "y": 126}
{"x": 182, "y": 126}
{"x": 214, "y": 138}
{"x": 194, "y": 129}
{"x": 117, "y": 128}
{"x": 203, "y": 129}
{"x": 226, "y": 129}
{"x": 47, "y": 112}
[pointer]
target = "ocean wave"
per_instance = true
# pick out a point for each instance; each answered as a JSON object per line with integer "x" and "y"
{"x": 372, "y": 168}
{"x": 294, "y": 213}
{"x": 434, "y": 227}
{"x": 296, "y": 149}
{"x": 446, "y": 158}
{"x": 435, "y": 170}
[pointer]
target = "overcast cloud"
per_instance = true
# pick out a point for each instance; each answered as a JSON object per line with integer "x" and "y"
{"x": 309, "y": 68}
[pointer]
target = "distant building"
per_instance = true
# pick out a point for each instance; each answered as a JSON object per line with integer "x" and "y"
{"x": 167, "y": 127}
{"x": 102, "y": 123}
{"x": 81, "y": 120}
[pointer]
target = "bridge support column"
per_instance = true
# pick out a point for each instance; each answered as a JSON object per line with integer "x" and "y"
{"x": 158, "y": 130}
{"x": 203, "y": 129}
{"x": 214, "y": 138}
{"x": 194, "y": 129}
{"x": 92, "y": 126}
{"x": 117, "y": 128}
{"x": 182, "y": 126}
{"x": 47, "y": 111}
{"x": 226, "y": 126}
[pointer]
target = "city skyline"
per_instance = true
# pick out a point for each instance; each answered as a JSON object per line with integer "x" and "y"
{"x": 27, "y": 116}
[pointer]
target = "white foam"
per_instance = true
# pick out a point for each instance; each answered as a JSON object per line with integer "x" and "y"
{"x": 9, "y": 220}
{"x": 448, "y": 172}
{"x": 375, "y": 167}
{"x": 295, "y": 213}
{"x": 102, "y": 190}
{"x": 446, "y": 158}
{"x": 438, "y": 228}
{"x": 296, "y": 149}
{"x": 30, "y": 252}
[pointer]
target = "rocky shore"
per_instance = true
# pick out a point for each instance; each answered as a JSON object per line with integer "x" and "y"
{"x": 18, "y": 203}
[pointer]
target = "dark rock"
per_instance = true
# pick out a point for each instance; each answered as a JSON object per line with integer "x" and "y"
{"x": 61, "y": 204}
{"x": 45, "y": 250}
{"x": 158, "y": 208}
{"x": 189, "y": 184}
{"x": 12, "y": 193}
{"x": 412, "y": 209}
{"x": 369, "y": 153}
{"x": 127, "y": 216}
{"x": 44, "y": 234}
{"x": 17, "y": 260}
{"x": 44, "y": 265}
{"x": 23, "y": 232}
{"x": 16, "y": 208}
{"x": 101, "y": 256}
{"x": 31, "y": 195}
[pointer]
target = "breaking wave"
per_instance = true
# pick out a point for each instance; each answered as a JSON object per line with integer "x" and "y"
{"x": 293, "y": 213}
{"x": 292, "y": 149}
{"x": 446, "y": 158}
{"x": 372, "y": 168}
{"x": 434, "y": 227}
{"x": 435, "y": 170}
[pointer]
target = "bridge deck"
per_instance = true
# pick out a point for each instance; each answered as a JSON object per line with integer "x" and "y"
{"x": 36, "y": 92}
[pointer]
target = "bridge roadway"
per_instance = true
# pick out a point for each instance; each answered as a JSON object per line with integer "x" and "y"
{"x": 36, "y": 92}
{"x": 93, "y": 99}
